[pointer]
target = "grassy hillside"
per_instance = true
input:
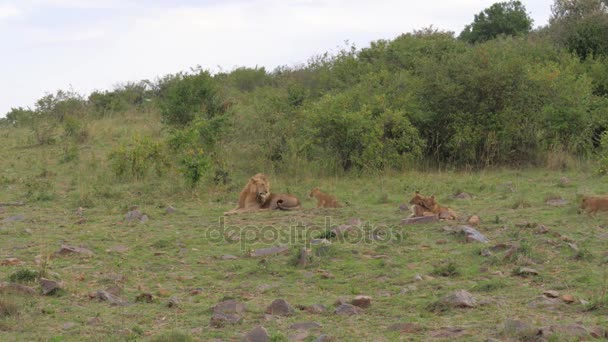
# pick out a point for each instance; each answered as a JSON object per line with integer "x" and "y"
{"x": 72, "y": 197}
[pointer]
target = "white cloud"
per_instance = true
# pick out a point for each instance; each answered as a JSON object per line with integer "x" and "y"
{"x": 8, "y": 11}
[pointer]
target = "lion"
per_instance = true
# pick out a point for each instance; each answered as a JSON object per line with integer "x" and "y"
{"x": 324, "y": 200}
{"x": 592, "y": 205}
{"x": 282, "y": 202}
{"x": 253, "y": 196}
{"x": 427, "y": 206}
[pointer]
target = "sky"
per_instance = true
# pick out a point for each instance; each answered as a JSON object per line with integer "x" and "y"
{"x": 87, "y": 45}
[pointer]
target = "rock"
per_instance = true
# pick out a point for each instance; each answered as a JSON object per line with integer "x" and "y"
{"x": 362, "y": 301}
{"x": 227, "y": 312}
{"x": 551, "y": 294}
{"x": 315, "y": 309}
{"x": 526, "y": 271}
{"x": 133, "y": 215}
{"x": 418, "y": 220}
{"x": 228, "y": 257}
{"x": 305, "y": 257}
{"x": 14, "y": 218}
{"x": 258, "y": 334}
{"x": 17, "y": 289}
{"x": 280, "y": 307}
{"x": 170, "y": 210}
{"x": 68, "y": 326}
{"x": 305, "y": 326}
{"x": 173, "y": 302}
{"x": 324, "y": 338}
{"x": 299, "y": 336}
{"x": 556, "y": 202}
{"x": 405, "y": 328}
{"x": 145, "y": 298}
{"x": 460, "y": 299}
{"x": 418, "y": 277}
{"x": 49, "y": 287}
{"x": 448, "y": 332}
{"x": 94, "y": 321}
{"x": 117, "y": 249}
{"x": 564, "y": 181}
{"x": 599, "y": 332}
{"x": 463, "y": 195}
{"x": 270, "y": 251}
{"x": 110, "y": 298}
{"x": 568, "y": 299}
{"x": 196, "y": 291}
{"x": 347, "y": 310}
{"x": 541, "y": 229}
{"x": 320, "y": 242}
{"x": 144, "y": 218}
{"x": 65, "y": 250}
{"x": 474, "y": 220}
{"x": 546, "y": 303}
{"x": 570, "y": 330}
{"x": 472, "y": 234}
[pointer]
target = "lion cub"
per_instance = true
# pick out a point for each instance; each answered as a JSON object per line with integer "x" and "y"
{"x": 594, "y": 204}
{"x": 324, "y": 200}
{"x": 426, "y": 206}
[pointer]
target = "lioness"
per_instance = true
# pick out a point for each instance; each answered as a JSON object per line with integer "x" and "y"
{"x": 282, "y": 202}
{"x": 253, "y": 196}
{"x": 594, "y": 204}
{"x": 324, "y": 200}
{"x": 427, "y": 206}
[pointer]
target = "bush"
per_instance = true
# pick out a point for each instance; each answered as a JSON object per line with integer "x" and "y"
{"x": 137, "y": 159}
{"x": 603, "y": 154}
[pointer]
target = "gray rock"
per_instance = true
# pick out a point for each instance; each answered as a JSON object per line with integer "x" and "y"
{"x": 16, "y": 289}
{"x": 174, "y": 302}
{"x": 106, "y": 296}
{"x": 228, "y": 257}
{"x": 362, "y": 301}
{"x": 280, "y": 307}
{"x": 556, "y": 202}
{"x": 229, "y": 307}
{"x": 258, "y": 334}
{"x": 49, "y": 286}
{"x": 219, "y": 320}
{"x": 571, "y": 330}
{"x": 347, "y": 310}
{"x": 270, "y": 251}
{"x": 133, "y": 215}
{"x": 460, "y": 299}
{"x": 305, "y": 326}
{"x": 65, "y": 250}
{"x": 316, "y": 309}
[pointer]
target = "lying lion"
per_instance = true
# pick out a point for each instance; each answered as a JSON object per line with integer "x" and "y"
{"x": 592, "y": 205}
{"x": 427, "y": 206}
{"x": 256, "y": 196}
{"x": 324, "y": 200}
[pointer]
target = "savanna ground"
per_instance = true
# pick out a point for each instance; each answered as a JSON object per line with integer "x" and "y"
{"x": 174, "y": 253}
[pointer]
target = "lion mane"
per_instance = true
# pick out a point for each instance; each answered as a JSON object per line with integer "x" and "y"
{"x": 253, "y": 196}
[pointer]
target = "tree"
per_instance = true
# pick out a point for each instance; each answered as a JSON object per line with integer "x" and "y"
{"x": 502, "y": 18}
{"x": 581, "y": 26}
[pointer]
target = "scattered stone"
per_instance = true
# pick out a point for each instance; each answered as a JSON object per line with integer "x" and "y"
{"x": 145, "y": 298}
{"x": 599, "y": 332}
{"x": 144, "y": 218}
{"x": 564, "y": 181}
{"x": 320, "y": 242}
{"x": 133, "y": 215}
{"x": 448, "y": 332}
{"x": 526, "y": 271}
{"x": 227, "y": 312}
{"x": 315, "y": 309}
{"x": 405, "y": 328}
{"x": 546, "y": 303}
{"x": 305, "y": 257}
{"x": 571, "y": 330}
{"x": 470, "y": 233}
{"x": 418, "y": 277}
{"x": 117, "y": 249}
{"x": 474, "y": 220}
{"x": 173, "y": 302}
{"x": 463, "y": 195}
{"x": 65, "y": 250}
{"x": 541, "y": 229}
{"x": 573, "y": 246}
{"x": 324, "y": 338}
{"x": 355, "y": 222}
{"x": 270, "y": 251}
{"x": 556, "y": 202}
{"x": 48, "y": 286}
{"x": 460, "y": 299}
{"x": 170, "y": 210}
{"x": 228, "y": 257}
{"x": 15, "y": 218}
{"x": 68, "y": 326}
{"x": 518, "y": 328}
{"x": 196, "y": 291}
{"x": 305, "y": 326}
{"x": 105, "y": 296}
{"x": 418, "y": 220}
{"x": 17, "y": 289}
{"x": 280, "y": 307}
{"x": 258, "y": 334}
{"x": 299, "y": 336}
{"x": 362, "y": 301}
{"x": 568, "y": 299}
{"x": 551, "y": 294}
{"x": 347, "y": 310}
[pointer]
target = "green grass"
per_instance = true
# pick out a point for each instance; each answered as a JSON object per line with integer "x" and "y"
{"x": 172, "y": 254}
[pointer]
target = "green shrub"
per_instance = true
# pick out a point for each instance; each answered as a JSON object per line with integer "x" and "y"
{"x": 139, "y": 158}
{"x": 603, "y": 154}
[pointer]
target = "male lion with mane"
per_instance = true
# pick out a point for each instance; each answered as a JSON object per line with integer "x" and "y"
{"x": 256, "y": 196}
{"x": 253, "y": 196}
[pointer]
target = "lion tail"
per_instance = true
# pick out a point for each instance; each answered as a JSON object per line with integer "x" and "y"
{"x": 281, "y": 207}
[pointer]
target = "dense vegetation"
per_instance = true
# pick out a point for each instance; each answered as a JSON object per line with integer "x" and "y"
{"x": 499, "y": 94}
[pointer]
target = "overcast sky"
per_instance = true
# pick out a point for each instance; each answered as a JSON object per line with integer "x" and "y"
{"x": 46, "y": 45}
